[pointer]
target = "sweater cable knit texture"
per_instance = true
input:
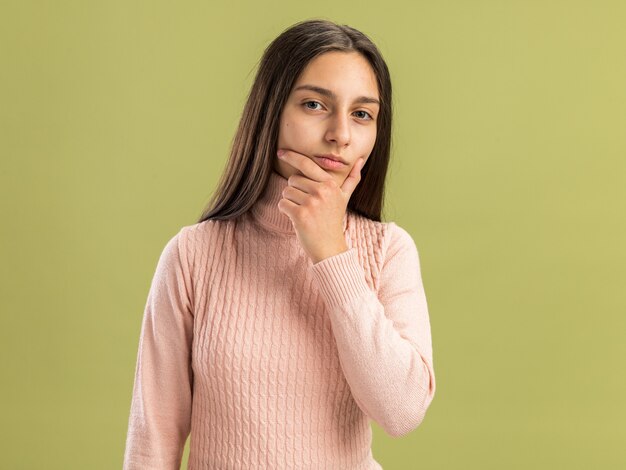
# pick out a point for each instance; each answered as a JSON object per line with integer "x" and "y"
{"x": 269, "y": 361}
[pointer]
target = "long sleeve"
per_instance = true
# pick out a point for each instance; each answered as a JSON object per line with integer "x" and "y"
{"x": 383, "y": 339}
{"x": 160, "y": 414}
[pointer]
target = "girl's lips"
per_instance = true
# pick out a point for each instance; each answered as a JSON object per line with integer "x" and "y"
{"x": 329, "y": 164}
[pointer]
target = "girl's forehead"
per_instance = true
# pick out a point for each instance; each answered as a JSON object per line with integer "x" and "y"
{"x": 339, "y": 74}
{"x": 341, "y": 63}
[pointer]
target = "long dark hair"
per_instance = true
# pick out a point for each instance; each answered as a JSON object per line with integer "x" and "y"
{"x": 254, "y": 146}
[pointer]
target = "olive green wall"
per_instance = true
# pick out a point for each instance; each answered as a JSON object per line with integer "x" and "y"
{"x": 508, "y": 170}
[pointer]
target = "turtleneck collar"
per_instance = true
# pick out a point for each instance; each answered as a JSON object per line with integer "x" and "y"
{"x": 265, "y": 209}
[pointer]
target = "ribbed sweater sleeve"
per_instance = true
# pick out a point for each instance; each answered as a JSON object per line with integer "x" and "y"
{"x": 383, "y": 338}
{"x": 160, "y": 415}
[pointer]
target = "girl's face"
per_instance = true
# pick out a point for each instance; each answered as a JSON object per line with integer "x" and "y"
{"x": 338, "y": 117}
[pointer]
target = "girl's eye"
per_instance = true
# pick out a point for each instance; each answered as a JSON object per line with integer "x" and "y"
{"x": 315, "y": 102}
{"x": 370, "y": 116}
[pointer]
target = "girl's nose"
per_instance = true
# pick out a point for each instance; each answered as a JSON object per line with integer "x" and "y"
{"x": 339, "y": 130}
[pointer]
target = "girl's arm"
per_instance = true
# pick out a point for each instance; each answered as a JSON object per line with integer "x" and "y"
{"x": 160, "y": 414}
{"x": 384, "y": 339}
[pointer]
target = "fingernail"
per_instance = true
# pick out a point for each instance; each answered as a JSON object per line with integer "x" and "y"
{"x": 280, "y": 152}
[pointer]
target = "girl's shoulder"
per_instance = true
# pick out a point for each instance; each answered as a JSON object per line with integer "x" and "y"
{"x": 383, "y": 235}
{"x": 372, "y": 233}
{"x": 202, "y": 228}
{"x": 200, "y": 234}
{"x": 361, "y": 223}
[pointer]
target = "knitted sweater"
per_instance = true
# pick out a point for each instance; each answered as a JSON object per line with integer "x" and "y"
{"x": 271, "y": 361}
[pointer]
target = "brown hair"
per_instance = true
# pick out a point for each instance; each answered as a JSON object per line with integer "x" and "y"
{"x": 255, "y": 142}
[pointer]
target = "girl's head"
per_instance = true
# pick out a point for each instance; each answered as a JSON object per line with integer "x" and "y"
{"x": 332, "y": 109}
{"x": 320, "y": 88}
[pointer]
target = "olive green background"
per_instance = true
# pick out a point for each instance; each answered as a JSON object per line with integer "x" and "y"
{"x": 508, "y": 170}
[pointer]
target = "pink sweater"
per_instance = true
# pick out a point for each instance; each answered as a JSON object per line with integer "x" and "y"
{"x": 271, "y": 361}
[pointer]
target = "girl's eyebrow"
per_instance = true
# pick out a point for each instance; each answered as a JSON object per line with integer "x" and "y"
{"x": 330, "y": 94}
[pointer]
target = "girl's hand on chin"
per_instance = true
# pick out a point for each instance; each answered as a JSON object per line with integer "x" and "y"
{"x": 316, "y": 205}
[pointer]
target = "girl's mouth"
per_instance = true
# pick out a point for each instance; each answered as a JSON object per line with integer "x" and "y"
{"x": 329, "y": 164}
